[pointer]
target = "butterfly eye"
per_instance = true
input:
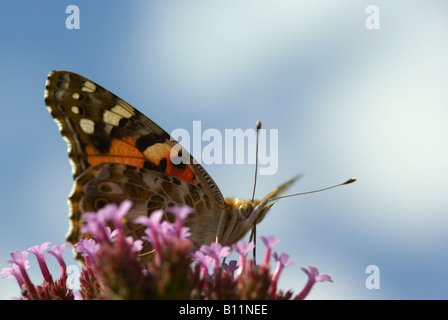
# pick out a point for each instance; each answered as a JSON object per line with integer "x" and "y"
{"x": 245, "y": 210}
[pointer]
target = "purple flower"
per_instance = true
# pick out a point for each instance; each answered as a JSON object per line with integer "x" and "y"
{"x": 96, "y": 223}
{"x": 231, "y": 267}
{"x": 158, "y": 232}
{"x": 19, "y": 259}
{"x": 109, "y": 234}
{"x": 282, "y": 262}
{"x": 215, "y": 251}
{"x": 153, "y": 226}
{"x": 136, "y": 245}
{"x": 57, "y": 251}
{"x": 313, "y": 277}
{"x": 184, "y": 233}
{"x": 153, "y": 221}
{"x": 87, "y": 248}
{"x": 180, "y": 212}
{"x": 39, "y": 251}
{"x": 269, "y": 242}
{"x": 115, "y": 213}
{"x": 114, "y": 269}
{"x": 243, "y": 248}
{"x": 203, "y": 260}
{"x": 166, "y": 231}
{"x": 14, "y": 271}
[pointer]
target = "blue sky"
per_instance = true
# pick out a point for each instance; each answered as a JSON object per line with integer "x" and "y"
{"x": 347, "y": 101}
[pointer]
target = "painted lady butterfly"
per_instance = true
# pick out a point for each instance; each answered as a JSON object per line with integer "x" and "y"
{"x": 118, "y": 153}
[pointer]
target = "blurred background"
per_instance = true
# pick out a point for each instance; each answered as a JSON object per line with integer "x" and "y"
{"x": 346, "y": 100}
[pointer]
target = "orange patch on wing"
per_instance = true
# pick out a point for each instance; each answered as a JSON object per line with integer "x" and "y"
{"x": 161, "y": 151}
{"x": 119, "y": 152}
{"x": 186, "y": 173}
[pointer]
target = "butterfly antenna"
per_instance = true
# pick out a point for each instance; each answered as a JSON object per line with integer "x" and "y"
{"x": 253, "y": 234}
{"x": 351, "y": 180}
{"x": 256, "y": 159}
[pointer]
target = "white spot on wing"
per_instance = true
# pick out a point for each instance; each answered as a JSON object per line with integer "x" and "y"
{"x": 75, "y": 110}
{"x": 111, "y": 118}
{"x": 88, "y": 87}
{"x": 87, "y": 125}
{"x": 123, "y": 109}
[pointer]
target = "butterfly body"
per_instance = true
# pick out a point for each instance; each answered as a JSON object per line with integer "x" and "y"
{"x": 118, "y": 153}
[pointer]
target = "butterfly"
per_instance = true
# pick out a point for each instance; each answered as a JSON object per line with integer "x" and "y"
{"x": 118, "y": 153}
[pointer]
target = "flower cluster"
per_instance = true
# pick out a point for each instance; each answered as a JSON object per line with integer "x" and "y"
{"x": 50, "y": 289}
{"x": 163, "y": 264}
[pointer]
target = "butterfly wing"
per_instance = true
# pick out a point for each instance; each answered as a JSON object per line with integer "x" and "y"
{"x": 148, "y": 191}
{"x": 118, "y": 153}
{"x": 281, "y": 189}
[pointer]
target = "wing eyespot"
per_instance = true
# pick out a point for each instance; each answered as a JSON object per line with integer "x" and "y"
{"x": 100, "y": 203}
